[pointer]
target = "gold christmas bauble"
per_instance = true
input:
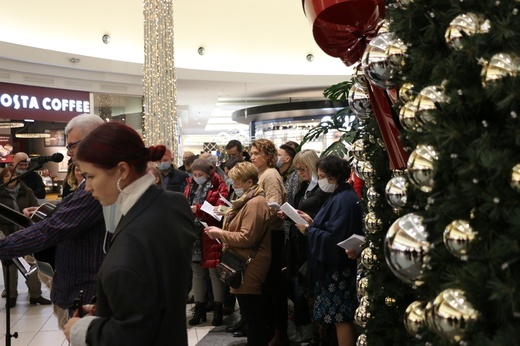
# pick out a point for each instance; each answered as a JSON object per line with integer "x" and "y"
{"x": 359, "y": 102}
{"x": 464, "y": 25}
{"x": 368, "y": 258}
{"x": 358, "y": 149}
{"x": 363, "y": 286}
{"x": 420, "y": 167}
{"x": 389, "y": 301}
{"x": 362, "y": 340}
{"x": 500, "y": 65}
{"x": 458, "y": 237}
{"x": 515, "y": 177}
{"x": 427, "y": 103}
{"x": 407, "y": 117}
{"x": 415, "y": 320}
{"x": 451, "y": 315}
{"x": 407, "y": 92}
{"x": 406, "y": 248}
{"x": 372, "y": 194}
{"x": 372, "y": 223}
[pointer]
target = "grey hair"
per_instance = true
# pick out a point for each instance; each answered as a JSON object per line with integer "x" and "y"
{"x": 85, "y": 123}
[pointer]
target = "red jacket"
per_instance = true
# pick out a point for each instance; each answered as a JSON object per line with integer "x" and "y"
{"x": 211, "y": 249}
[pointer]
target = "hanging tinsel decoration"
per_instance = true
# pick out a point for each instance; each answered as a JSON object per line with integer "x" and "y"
{"x": 159, "y": 81}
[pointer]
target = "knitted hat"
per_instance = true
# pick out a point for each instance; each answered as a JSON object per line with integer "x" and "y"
{"x": 202, "y": 165}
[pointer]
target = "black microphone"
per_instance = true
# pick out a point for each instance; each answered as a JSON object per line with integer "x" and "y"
{"x": 56, "y": 157}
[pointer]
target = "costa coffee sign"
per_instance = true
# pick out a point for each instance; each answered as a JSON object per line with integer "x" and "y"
{"x": 44, "y": 104}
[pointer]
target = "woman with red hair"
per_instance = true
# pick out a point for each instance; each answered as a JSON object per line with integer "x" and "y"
{"x": 141, "y": 288}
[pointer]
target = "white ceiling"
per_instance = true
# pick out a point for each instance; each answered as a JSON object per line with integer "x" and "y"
{"x": 255, "y": 53}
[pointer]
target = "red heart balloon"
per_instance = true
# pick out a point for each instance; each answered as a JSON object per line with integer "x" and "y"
{"x": 343, "y": 28}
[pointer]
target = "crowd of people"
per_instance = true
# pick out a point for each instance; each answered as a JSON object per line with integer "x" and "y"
{"x": 134, "y": 238}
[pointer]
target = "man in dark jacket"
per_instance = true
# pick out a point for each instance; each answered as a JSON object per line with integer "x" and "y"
{"x": 33, "y": 180}
{"x": 172, "y": 178}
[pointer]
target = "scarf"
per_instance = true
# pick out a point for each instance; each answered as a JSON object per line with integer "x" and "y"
{"x": 253, "y": 191}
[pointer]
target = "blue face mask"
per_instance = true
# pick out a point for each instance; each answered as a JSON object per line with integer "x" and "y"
{"x": 279, "y": 163}
{"x": 164, "y": 166}
{"x": 200, "y": 180}
{"x": 20, "y": 171}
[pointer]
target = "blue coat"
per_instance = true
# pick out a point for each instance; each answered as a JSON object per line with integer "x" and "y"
{"x": 338, "y": 219}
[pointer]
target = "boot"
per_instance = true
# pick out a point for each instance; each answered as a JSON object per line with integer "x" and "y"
{"x": 199, "y": 315}
{"x": 217, "y": 314}
{"x": 238, "y": 325}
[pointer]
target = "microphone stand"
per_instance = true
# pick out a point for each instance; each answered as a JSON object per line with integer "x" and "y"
{"x": 7, "y": 264}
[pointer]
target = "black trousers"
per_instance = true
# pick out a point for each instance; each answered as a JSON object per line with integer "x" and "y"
{"x": 274, "y": 286}
{"x": 253, "y": 310}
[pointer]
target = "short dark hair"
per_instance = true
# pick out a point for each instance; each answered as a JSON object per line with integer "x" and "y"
{"x": 235, "y": 143}
{"x": 335, "y": 167}
{"x": 190, "y": 159}
{"x": 289, "y": 150}
{"x": 292, "y": 144}
{"x": 232, "y": 162}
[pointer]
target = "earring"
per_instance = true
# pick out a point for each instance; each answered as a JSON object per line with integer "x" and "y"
{"x": 119, "y": 184}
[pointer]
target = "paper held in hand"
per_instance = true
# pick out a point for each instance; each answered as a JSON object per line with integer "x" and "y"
{"x": 354, "y": 242}
{"x": 208, "y": 208}
{"x": 292, "y": 214}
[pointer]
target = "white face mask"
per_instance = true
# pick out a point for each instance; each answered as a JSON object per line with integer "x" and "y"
{"x": 325, "y": 186}
{"x": 239, "y": 192}
{"x": 200, "y": 180}
{"x": 112, "y": 215}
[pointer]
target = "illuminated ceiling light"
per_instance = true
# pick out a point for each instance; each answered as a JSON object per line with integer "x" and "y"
{"x": 10, "y": 124}
{"x": 25, "y": 133}
{"x": 201, "y": 51}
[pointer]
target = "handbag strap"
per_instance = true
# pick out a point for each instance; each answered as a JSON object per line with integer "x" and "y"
{"x": 256, "y": 247}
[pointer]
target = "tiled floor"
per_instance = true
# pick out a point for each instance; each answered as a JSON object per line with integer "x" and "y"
{"x": 37, "y": 326}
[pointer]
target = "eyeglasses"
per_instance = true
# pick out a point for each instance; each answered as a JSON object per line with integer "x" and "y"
{"x": 301, "y": 169}
{"x": 72, "y": 145}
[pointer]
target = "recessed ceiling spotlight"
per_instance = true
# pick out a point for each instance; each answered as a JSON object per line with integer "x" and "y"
{"x": 201, "y": 50}
{"x": 74, "y": 60}
{"x": 310, "y": 57}
{"x": 106, "y": 39}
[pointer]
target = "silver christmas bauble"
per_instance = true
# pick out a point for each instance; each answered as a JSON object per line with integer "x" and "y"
{"x": 428, "y": 101}
{"x": 515, "y": 177}
{"x": 406, "y": 247}
{"x": 366, "y": 171}
{"x": 464, "y": 25}
{"x": 395, "y": 191}
{"x": 383, "y": 59}
{"x": 415, "y": 320}
{"x": 372, "y": 194}
{"x": 500, "y": 65}
{"x": 458, "y": 237}
{"x": 359, "y": 102}
{"x": 420, "y": 167}
{"x": 451, "y": 315}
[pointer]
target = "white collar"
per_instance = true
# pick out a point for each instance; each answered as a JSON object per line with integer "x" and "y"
{"x": 130, "y": 194}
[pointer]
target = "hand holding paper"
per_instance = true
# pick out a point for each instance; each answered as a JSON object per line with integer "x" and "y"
{"x": 209, "y": 209}
{"x": 354, "y": 242}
